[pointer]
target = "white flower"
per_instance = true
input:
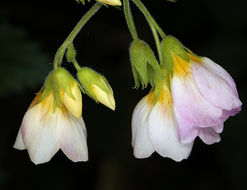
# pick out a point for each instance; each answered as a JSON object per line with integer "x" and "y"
{"x": 52, "y": 123}
{"x": 154, "y": 128}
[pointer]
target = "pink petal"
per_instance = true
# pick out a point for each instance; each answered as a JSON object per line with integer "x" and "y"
{"x": 71, "y": 134}
{"x": 214, "y": 88}
{"x": 209, "y": 136}
{"x": 192, "y": 106}
{"x": 218, "y": 128}
{"x": 215, "y": 68}
{"x": 162, "y": 130}
{"x": 140, "y": 140}
{"x": 186, "y": 132}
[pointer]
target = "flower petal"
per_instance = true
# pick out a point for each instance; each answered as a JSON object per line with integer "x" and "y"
{"x": 215, "y": 68}
{"x": 218, "y": 128}
{"x": 73, "y": 105}
{"x": 209, "y": 136}
{"x": 71, "y": 135}
{"x": 140, "y": 140}
{"x": 214, "y": 88}
{"x": 38, "y": 134}
{"x": 105, "y": 98}
{"x": 19, "y": 144}
{"x": 186, "y": 132}
{"x": 191, "y": 105}
{"x": 162, "y": 130}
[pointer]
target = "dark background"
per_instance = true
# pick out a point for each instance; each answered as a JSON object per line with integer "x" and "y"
{"x": 31, "y": 32}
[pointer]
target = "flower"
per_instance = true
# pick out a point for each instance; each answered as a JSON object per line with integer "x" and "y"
{"x": 97, "y": 87}
{"x": 154, "y": 127}
{"x": 204, "y": 94}
{"x": 53, "y": 121}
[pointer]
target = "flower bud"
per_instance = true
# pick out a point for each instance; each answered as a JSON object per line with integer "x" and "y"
{"x": 144, "y": 64}
{"x": 96, "y": 86}
{"x": 67, "y": 89}
{"x": 111, "y": 2}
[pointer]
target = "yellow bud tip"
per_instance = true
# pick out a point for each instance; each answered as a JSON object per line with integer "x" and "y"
{"x": 105, "y": 98}
{"x": 74, "y": 106}
{"x": 111, "y": 2}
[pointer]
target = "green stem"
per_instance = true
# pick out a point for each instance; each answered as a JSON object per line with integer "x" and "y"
{"x": 77, "y": 66}
{"x": 149, "y": 17}
{"x": 157, "y": 42}
{"x": 160, "y": 31}
{"x": 60, "y": 52}
{"x": 154, "y": 26}
{"x": 129, "y": 19}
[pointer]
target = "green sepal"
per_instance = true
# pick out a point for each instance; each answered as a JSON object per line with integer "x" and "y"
{"x": 192, "y": 53}
{"x": 88, "y": 77}
{"x": 170, "y": 46}
{"x": 71, "y": 53}
{"x": 63, "y": 81}
{"x": 47, "y": 87}
{"x": 136, "y": 77}
{"x": 144, "y": 63}
{"x": 56, "y": 81}
{"x": 160, "y": 81}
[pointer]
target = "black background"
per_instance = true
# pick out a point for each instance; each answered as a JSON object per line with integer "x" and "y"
{"x": 216, "y": 29}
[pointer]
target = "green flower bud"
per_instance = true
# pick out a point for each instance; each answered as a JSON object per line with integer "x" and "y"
{"x": 96, "y": 86}
{"x": 71, "y": 53}
{"x": 67, "y": 89}
{"x": 144, "y": 64}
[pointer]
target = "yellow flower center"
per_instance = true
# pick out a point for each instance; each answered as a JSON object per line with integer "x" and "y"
{"x": 182, "y": 68}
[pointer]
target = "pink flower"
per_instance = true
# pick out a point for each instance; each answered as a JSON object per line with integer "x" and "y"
{"x": 204, "y": 97}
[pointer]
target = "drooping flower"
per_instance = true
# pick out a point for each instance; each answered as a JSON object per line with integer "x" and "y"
{"x": 53, "y": 121}
{"x": 204, "y": 94}
{"x": 154, "y": 127}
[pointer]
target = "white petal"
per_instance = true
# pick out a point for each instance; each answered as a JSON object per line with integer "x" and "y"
{"x": 19, "y": 144}
{"x": 163, "y": 134}
{"x": 214, "y": 88}
{"x": 38, "y": 134}
{"x": 71, "y": 135}
{"x": 140, "y": 140}
{"x": 209, "y": 136}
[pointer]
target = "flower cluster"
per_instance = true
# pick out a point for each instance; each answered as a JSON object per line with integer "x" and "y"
{"x": 190, "y": 96}
{"x": 196, "y": 101}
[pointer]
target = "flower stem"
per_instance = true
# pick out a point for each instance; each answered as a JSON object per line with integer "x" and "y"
{"x": 154, "y": 27}
{"x": 129, "y": 19}
{"x": 149, "y": 17}
{"x": 77, "y": 66}
{"x": 60, "y": 52}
